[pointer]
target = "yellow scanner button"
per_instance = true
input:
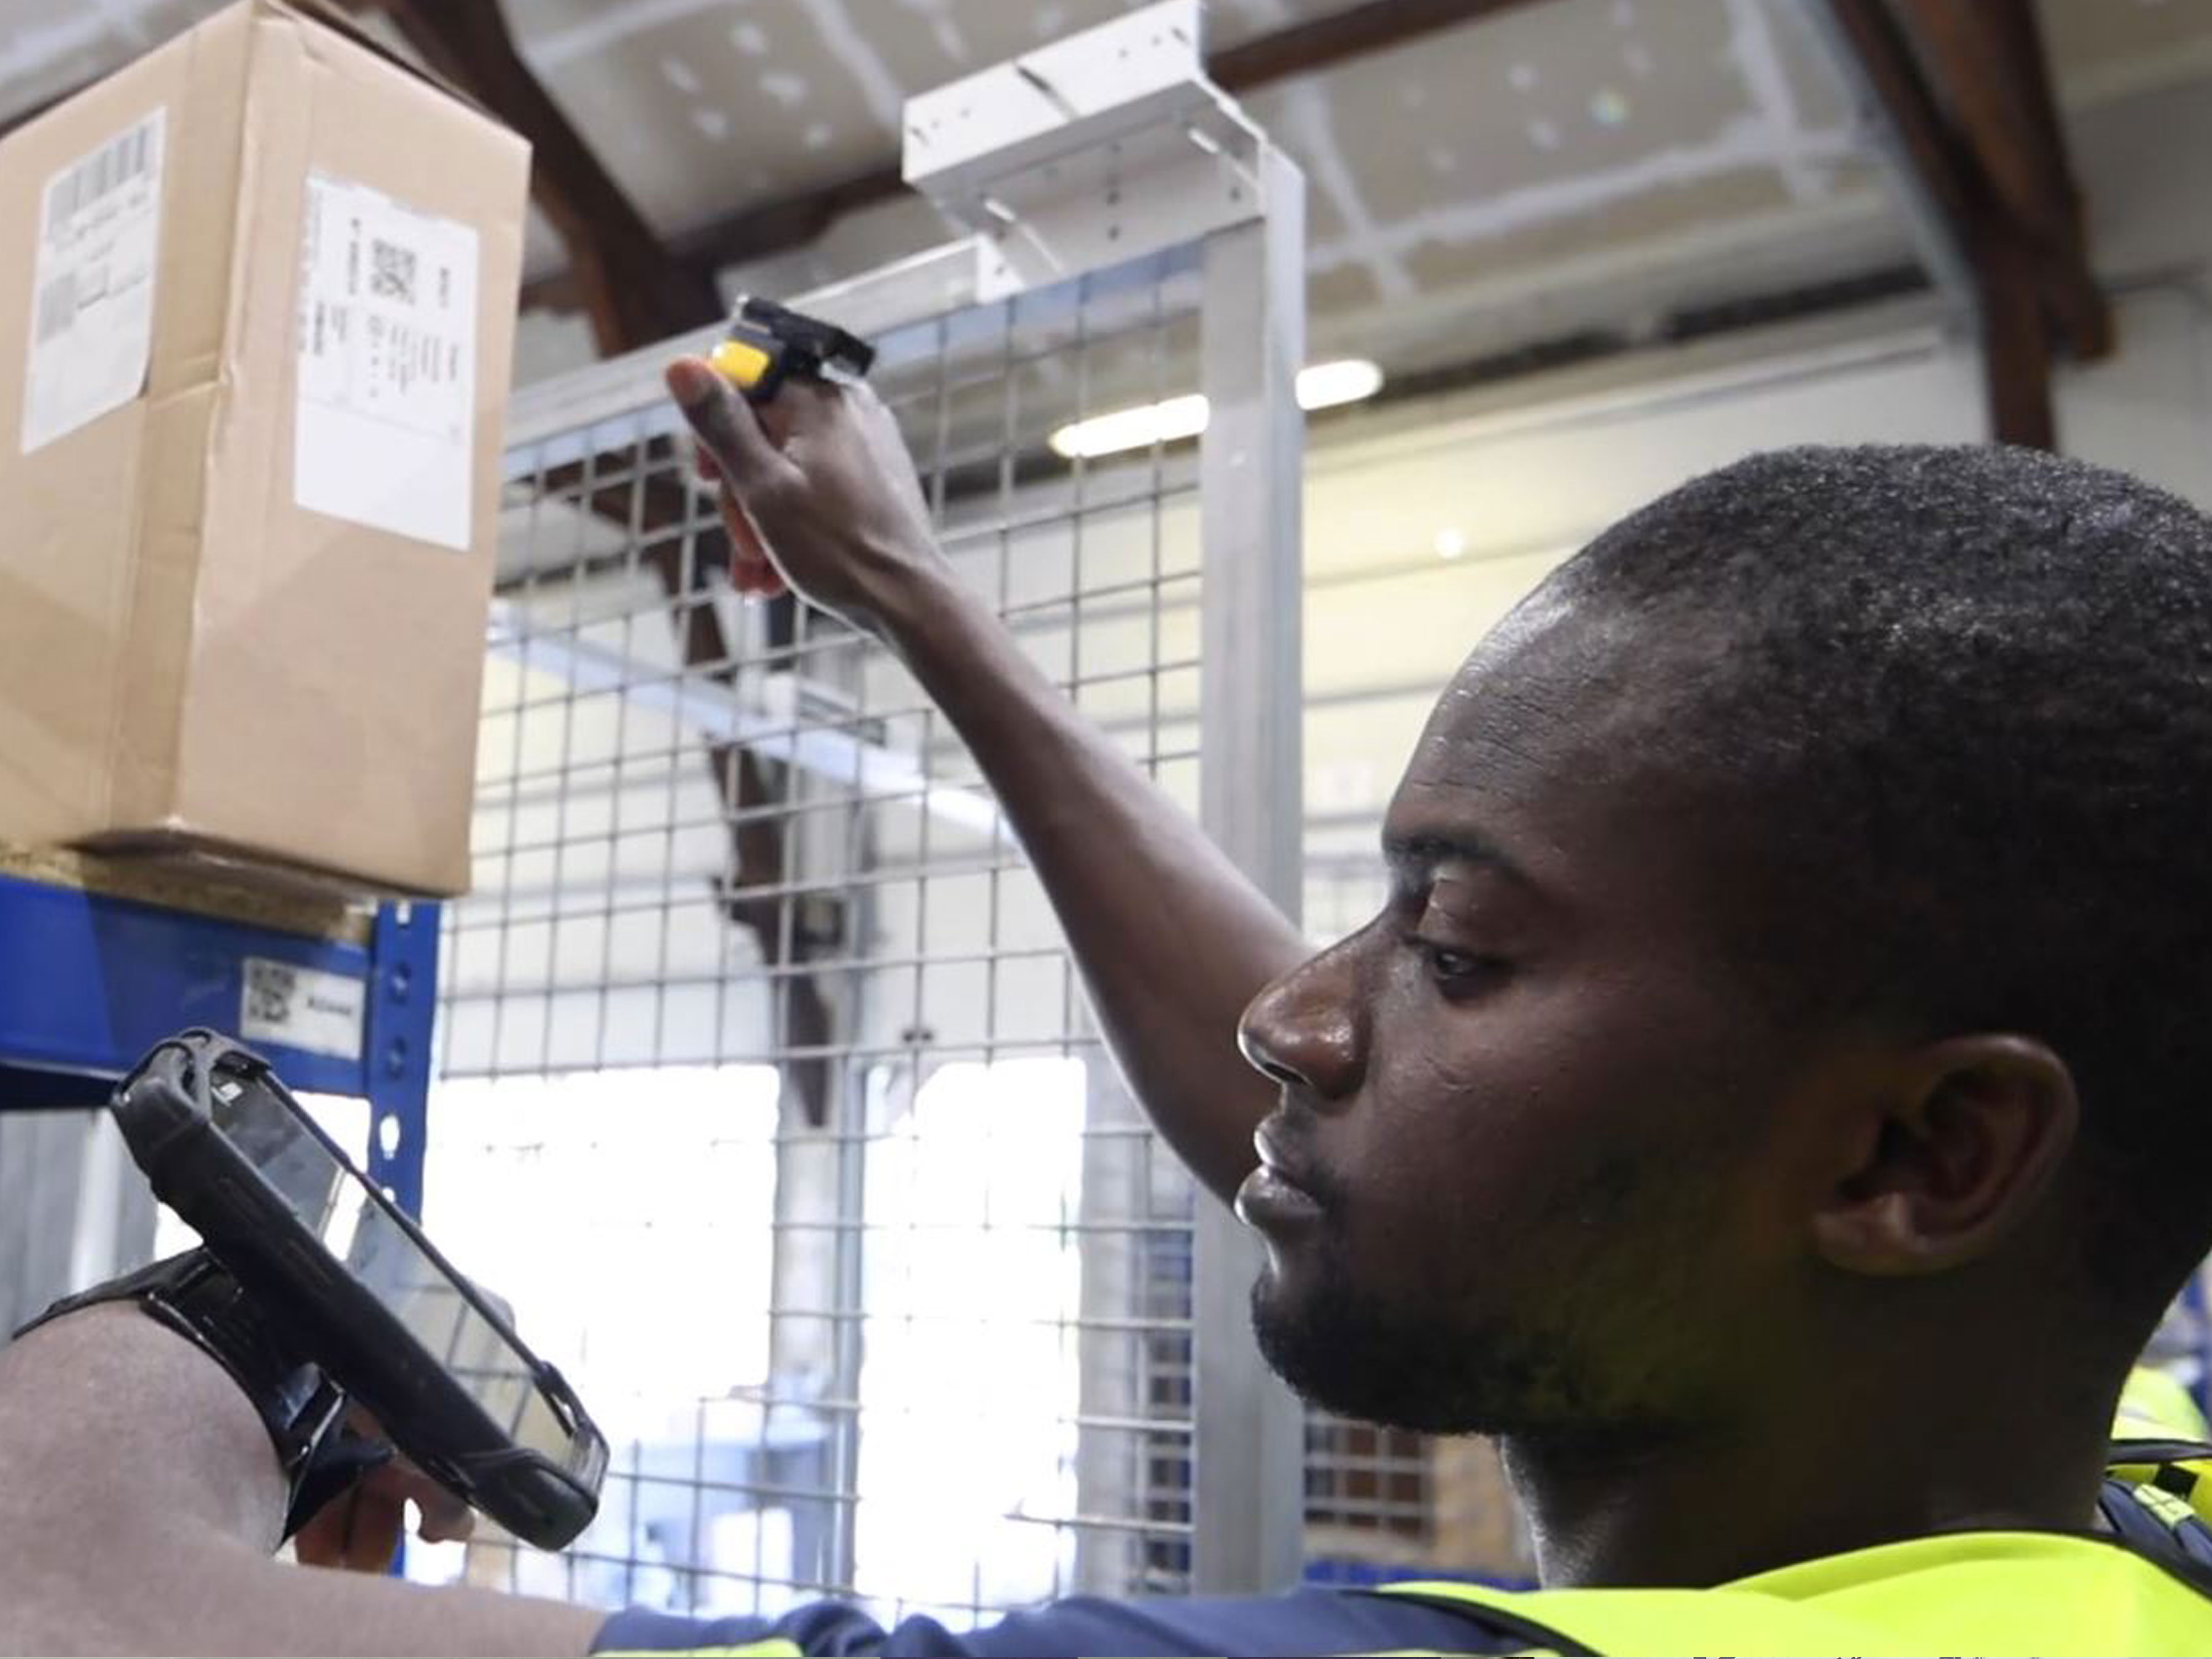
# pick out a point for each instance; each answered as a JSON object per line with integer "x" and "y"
{"x": 742, "y": 365}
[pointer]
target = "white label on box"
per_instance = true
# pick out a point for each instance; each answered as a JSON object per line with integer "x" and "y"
{"x": 303, "y": 1008}
{"x": 92, "y": 294}
{"x": 386, "y": 419}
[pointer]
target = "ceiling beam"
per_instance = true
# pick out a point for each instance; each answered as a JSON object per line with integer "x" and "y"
{"x": 635, "y": 290}
{"x": 2015, "y": 340}
{"x": 772, "y": 227}
{"x": 1325, "y": 42}
{"x": 1873, "y": 52}
{"x": 1989, "y": 61}
{"x": 1967, "y": 225}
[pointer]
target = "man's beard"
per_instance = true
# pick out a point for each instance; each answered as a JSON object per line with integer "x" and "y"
{"x": 1581, "y": 1354}
{"x": 1361, "y": 1357}
{"x": 1425, "y": 1362}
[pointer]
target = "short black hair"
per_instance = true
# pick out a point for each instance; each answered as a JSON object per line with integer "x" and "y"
{"x": 1965, "y": 694}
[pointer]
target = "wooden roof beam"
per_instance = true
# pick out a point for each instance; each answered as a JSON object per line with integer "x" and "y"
{"x": 1993, "y": 73}
{"x": 1965, "y": 226}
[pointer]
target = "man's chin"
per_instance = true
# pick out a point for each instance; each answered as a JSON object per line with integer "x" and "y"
{"x": 1356, "y": 1356}
{"x": 1337, "y": 1360}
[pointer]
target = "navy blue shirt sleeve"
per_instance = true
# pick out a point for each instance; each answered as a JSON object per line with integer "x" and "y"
{"x": 1313, "y": 1621}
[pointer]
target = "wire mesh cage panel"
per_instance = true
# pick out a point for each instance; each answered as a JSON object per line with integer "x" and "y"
{"x": 769, "y": 1094}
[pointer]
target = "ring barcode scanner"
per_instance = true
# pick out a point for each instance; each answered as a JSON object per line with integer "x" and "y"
{"x": 766, "y": 344}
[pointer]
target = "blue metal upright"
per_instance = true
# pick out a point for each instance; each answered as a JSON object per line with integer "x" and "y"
{"x": 89, "y": 981}
{"x": 402, "y": 999}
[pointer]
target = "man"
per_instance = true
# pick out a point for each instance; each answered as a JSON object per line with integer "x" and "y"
{"x": 1768, "y": 1101}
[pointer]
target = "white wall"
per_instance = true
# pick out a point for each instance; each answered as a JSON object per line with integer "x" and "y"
{"x": 1387, "y": 620}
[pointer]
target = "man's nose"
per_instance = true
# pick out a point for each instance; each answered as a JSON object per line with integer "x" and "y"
{"x": 1307, "y": 1030}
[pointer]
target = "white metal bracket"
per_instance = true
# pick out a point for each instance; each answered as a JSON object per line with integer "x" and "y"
{"x": 1099, "y": 149}
{"x": 1107, "y": 145}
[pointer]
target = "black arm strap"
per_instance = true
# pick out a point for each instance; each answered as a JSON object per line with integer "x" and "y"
{"x": 302, "y": 1408}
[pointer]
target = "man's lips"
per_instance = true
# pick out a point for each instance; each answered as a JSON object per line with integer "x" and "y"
{"x": 1279, "y": 1196}
{"x": 1277, "y": 1146}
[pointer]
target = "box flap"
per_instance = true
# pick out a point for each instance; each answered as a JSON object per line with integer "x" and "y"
{"x": 339, "y": 20}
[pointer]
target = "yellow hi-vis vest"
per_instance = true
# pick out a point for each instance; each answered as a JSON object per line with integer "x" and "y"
{"x": 2146, "y": 1589}
{"x": 1977, "y": 1593}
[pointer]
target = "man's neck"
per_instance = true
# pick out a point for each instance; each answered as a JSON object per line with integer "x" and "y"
{"x": 1845, "y": 1474}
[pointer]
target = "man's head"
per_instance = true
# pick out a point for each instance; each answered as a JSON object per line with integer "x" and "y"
{"x": 1800, "y": 944}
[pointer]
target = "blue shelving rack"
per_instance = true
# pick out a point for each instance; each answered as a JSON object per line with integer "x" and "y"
{"x": 89, "y": 979}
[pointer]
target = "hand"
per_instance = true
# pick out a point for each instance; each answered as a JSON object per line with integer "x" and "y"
{"x": 817, "y": 490}
{"x": 360, "y": 1529}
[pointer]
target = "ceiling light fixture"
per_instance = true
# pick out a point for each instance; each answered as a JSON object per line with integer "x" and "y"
{"x": 1133, "y": 428}
{"x": 1451, "y": 543}
{"x": 1322, "y": 385}
{"x": 1347, "y": 380}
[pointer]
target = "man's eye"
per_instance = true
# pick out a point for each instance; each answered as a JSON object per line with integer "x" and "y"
{"x": 1458, "y": 971}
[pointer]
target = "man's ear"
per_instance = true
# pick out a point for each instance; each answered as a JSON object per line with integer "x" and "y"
{"x": 1952, "y": 1158}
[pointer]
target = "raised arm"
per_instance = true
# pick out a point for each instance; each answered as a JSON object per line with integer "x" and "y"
{"x": 1171, "y": 939}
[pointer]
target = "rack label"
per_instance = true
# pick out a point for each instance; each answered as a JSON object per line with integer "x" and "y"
{"x": 385, "y": 424}
{"x": 303, "y": 1008}
{"x": 92, "y": 292}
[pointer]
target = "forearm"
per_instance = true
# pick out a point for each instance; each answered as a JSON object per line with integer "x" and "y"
{"x": 1172, "y": 939}
{"x": 140, "y": 1501}
{"x": 100, "y": 1428}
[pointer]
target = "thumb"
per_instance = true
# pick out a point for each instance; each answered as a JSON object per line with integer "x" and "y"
{"x": 726, "y": 426}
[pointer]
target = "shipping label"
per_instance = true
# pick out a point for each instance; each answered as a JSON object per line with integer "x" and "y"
{"x": 92, "y": 293}
{"x": 385, "y": 432}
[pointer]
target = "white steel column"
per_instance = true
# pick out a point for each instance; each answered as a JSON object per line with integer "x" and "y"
{"x": 1247, "y": 1507}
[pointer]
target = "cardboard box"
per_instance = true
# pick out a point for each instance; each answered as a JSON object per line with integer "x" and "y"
{"x": 257, "y": 295}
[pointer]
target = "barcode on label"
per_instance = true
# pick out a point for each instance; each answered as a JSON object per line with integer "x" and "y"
{"x": 392, "y": 271}
{"x": 269, "y": 987}
{"x": 57, "y": 306}
{"x": 121, "y": 161}
{"x": 307, "y": 1009}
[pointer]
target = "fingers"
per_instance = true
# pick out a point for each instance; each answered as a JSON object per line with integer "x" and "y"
{"x": 356, "y": 1533}
{"x": 800, "y": 405}
{"x": 445, "y": 1518}
{"x": 321, "y": 1542}
{"x": 727, "y": 427}
{"x": 751, "y": 570}
{"x": 379, "y": 1520}
{"x": 739, "y": 449}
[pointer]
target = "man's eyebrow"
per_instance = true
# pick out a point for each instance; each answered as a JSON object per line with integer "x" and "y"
{"x": 1421, "y": 852}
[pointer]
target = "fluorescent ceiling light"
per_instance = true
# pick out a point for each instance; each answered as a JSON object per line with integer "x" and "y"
{"x": 1322, "y": 385}
{"x": 1133, "y": 428}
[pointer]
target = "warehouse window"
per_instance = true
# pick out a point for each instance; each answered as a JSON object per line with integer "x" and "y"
{"x": 620, "y": 1212}
{"x": 971, "y": 1288}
